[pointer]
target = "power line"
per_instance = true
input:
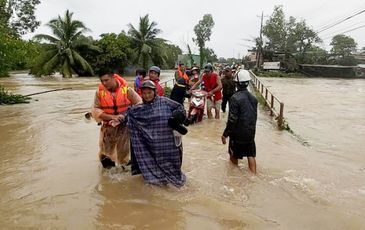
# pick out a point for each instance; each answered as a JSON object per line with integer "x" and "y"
{"x": 356, "y": 28}
{"x": 342, "y": 29}
{"x": 338, "y": 18}
{"x": 353, "y": 29}
{"x": 342, "y": 20}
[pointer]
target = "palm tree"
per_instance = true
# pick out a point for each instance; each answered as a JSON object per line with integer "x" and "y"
{"x": 60, "y": 52}
{"x": 146, "y": 42}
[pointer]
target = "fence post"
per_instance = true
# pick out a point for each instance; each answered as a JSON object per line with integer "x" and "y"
{"x": 273, "y": 112}
{"x": 265, "y": 93}
{"x": 272, "y": 105}
{"x": 281, "y": 115}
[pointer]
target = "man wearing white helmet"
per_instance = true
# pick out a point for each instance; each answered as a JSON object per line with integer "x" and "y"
{"x": 241, "y": 124}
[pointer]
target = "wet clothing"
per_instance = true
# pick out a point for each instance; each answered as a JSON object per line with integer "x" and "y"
{"x": 241, "y": 124}
{"x": 114, "y": 102}
{"x": 139, "y": 91}
{"x": 228, "y": 85}
{"x": 210, "y": 83}
{"x": 241, "y": 150}
{"x": 113, "y": 141}
{"x": 228, "y": 89}
{"x": 178, "y": 92}
{"x": 137, "y": 82}
{"x": 159, "y": 89}
{"x": 214, "y": 104}
{"x": 155, "y": 153}
{"x": 181, "y": 74}
{"x": 225, "y": 100}
{"x": 193, "y": 79}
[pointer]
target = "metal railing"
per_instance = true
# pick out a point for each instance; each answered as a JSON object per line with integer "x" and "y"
{"x": 165, "y": 83}
{"x": 270, "y": 100}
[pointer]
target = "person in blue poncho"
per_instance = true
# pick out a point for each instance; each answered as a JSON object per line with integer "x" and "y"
{"x": 155, "y": 128}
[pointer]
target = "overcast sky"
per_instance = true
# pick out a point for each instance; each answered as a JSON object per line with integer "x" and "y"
{"x": 235, "y": 20}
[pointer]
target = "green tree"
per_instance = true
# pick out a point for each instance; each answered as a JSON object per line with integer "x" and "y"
{"x": 171, "y": 53}
{"x": 190, "y": 54}
{"x": 316, "y": 55}
{"x": 145, "y": 42}
{"x": 115, "y": 52}
{"x": 275, "y": 30}
{"x": 288, "y": 37}
{"x": 210, "y": 55}
{"x": 222, "y": 60}
{"x": 342, "y": 45}
{"x": 158, "y": 54}
{"x": 7, "y": 48}
{"x": 16, "y": 18}
{"x": 342, "y": 48}
{"x": 18, "y": 15}
{"x": 203, "y": 31}
{"x": 60, "y": 52}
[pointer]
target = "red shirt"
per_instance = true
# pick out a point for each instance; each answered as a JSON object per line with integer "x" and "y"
{"x": 210, "y": 83}
{"x": 160, "y": 91}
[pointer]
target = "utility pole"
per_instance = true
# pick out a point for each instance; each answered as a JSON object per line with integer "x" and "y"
{"x": 259, "y": 48}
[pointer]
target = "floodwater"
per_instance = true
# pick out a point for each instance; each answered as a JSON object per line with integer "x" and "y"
{"x": 50, "y": 177}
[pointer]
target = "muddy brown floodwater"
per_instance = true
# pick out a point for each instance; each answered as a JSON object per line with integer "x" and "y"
{"x": 50, "y": 177}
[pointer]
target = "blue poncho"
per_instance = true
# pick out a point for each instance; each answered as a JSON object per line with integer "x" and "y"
{"x": 154, "y": 150}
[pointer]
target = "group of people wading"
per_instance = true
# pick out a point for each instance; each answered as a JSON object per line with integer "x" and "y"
{"x": 141, "y": 128}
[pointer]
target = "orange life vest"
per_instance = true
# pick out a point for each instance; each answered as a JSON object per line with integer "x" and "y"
{"x": 182, "y": 74}
{"x": 117, "y": 103}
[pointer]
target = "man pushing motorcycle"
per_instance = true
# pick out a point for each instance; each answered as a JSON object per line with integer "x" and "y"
{"x": 213, "y": 86}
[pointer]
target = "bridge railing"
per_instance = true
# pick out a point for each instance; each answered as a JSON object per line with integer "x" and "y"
{"x": 272, "y": 101}
{"x": 166, "y": 83}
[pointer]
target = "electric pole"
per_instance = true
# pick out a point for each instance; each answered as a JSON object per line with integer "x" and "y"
{"x": 259, "y": 48}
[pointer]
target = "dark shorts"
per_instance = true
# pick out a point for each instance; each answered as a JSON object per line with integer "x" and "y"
{"x": 242, "y": 150}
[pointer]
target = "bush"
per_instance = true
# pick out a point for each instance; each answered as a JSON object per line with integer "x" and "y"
{"x": 167, "y": 91}
{"x": 274, "y": 73}
{"x": 9, "y": 98}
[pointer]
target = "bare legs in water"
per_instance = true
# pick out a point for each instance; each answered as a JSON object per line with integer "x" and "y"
{"x": 251, "y": 163}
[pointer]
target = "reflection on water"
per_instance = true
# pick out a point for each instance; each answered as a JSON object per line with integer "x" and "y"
{"x": 50, "y": 176}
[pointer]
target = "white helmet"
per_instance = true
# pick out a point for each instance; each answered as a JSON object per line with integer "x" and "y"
{"x": 242, "y": 76}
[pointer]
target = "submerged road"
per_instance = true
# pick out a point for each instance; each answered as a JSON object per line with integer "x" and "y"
{"x": 50, "y": 176}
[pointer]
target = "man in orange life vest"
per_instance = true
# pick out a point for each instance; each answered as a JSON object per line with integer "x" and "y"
{"x": 111, "y": 101}
{"x": 213, "y": 86}
{"x": 181, "y": 73}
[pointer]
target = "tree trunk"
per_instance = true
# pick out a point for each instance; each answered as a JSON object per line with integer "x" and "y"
{"x": 201, "y": 51}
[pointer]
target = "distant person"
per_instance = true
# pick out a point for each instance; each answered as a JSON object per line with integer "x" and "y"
{"x": 241, "y": 124}
{"x": 111, "y": 102}
{"x": 143, "y": 77}
{"x": 181, "y": 73}
{"x": 156, "y": 150}
{"x": 154, "y": 75}
{"x": 234, "y": 69}
{"x": 213, "y": 86}
{"x": 140, "y": 76}
{"x": 228, "y": 85}
{"x": 194, "y": 78}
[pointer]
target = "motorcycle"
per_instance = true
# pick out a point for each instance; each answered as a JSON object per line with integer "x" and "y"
{"x": 196, "y": 107}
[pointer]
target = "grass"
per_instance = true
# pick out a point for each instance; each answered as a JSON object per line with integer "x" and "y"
{"x": 7, "y": 98}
